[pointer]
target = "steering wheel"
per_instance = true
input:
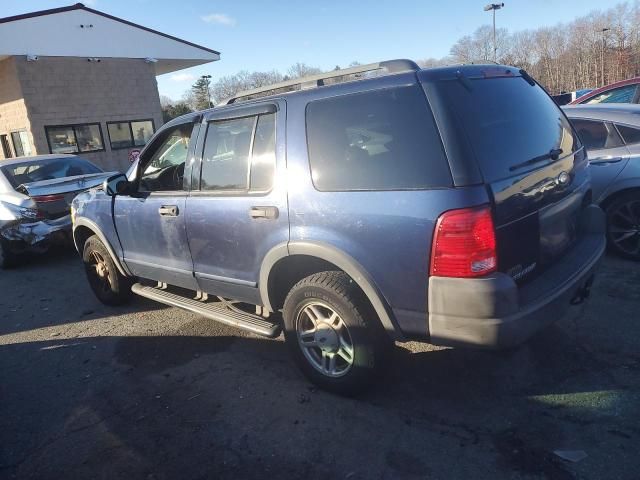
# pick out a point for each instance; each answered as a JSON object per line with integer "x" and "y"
{"x": 178, "y": 175}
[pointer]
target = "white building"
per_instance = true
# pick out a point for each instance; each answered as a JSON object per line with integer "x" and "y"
{"x": 74, "y": 79}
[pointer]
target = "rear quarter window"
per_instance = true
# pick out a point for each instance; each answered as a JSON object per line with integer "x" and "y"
{"x": 378, "y": 140}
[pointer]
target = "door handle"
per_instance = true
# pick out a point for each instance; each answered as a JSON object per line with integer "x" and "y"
{"x": 263, "y": 212}
{"x": 605, "y": 160}
{"x": 168, "y": 211}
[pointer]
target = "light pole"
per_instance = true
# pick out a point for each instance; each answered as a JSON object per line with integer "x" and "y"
{"x": 207, "y": 81}
{"x": 603, "y": 31}
{"x": 493, "y": 7}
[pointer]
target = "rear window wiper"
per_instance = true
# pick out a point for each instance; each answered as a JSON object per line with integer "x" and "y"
{"x": 552, "y": 154}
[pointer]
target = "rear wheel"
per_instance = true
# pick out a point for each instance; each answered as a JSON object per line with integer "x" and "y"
{"x": 332, "y": 333}
{"x": 623, "y": 225}
{"x": 107, "y": 283}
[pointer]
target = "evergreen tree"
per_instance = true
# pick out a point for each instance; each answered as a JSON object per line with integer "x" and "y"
{"x": 201, "y": 93}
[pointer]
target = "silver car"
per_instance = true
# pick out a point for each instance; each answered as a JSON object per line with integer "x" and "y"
{"x": 35, "y": 194}
{"x": 611, "y": 134}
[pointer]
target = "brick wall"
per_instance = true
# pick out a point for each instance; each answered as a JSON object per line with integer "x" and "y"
{"x": 13, "y": 112}
{"x": 68, "y": 90}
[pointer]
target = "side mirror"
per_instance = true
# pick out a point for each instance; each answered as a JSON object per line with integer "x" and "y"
{"x": 116, "y": 184}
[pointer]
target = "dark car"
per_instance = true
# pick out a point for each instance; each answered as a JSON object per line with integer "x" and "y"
{"x": 611, "y": 134}
{"x": 355, "y": 208}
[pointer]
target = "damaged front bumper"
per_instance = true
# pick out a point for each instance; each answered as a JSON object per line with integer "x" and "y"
{"x": 32, "y": 234}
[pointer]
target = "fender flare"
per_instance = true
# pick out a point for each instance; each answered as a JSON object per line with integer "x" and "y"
{"x": 340, "y": 259}
{"x": 85, "y": 222}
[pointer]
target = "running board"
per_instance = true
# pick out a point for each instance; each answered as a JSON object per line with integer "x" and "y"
{"x": 218, "y": 311}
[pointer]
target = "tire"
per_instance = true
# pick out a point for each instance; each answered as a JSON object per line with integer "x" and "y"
{"x": 623, "y": 225}
{"x": 8, "y": 259}
{"x": 107, "y": 283}
{"x": 325, "y": 314}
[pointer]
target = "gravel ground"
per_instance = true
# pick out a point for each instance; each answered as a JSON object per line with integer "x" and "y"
{"x": 144, "y": 391}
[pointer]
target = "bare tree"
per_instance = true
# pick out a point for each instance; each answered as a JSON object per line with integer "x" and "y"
{"x": 299, "y": 70}
{"x": 594, "y": 50}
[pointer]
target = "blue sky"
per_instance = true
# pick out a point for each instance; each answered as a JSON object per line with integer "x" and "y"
{"x": 264, "y": 35}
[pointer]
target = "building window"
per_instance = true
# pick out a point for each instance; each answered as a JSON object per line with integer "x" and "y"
{"x": 75, "y": 138}
{"x": 133, "y": 133}
{"x": 21, "y": 144}
{"x": 6, "y": 148}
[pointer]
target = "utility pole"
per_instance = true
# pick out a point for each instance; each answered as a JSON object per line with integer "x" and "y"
{"x": 493, "y": 7}
{"x": 207, "y": 80}
{"x": 603, "y": 31}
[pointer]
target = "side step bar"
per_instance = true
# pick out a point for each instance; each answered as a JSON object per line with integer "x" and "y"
{"x": 217, "y": 311}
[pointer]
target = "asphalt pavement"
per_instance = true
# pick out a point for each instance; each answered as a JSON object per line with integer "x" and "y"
{"x": 147, "y": 391}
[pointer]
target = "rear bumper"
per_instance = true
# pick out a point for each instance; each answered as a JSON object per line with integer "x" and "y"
{"x": 493, "y": 312}
{"x": 34, "y": 233}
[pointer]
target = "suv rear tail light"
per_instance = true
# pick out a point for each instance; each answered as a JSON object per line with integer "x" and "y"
{"x": 464, "y": 244}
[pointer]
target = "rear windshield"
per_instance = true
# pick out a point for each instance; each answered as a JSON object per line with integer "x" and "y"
{"x": 377, "y": 140}
{"x": 508, "y": 122}
{"x": 48, "y": 169}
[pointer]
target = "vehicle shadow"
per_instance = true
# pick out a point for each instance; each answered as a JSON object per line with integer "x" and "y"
{"x": 231, "y": 406}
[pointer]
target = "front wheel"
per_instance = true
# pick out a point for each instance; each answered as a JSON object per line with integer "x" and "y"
{"x": 623, "y": 225}
{"x": 107, "y": 283}
{"x": 332, "y": 332}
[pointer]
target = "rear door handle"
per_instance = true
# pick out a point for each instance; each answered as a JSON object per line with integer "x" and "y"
{"x": 168, "y": 211}
{"x": 263, "y": 212}
{"x": 605, "y": 160}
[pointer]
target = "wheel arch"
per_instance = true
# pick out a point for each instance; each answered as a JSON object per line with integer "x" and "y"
{"x": 300, "y": 259}
{"x": 83, "y": 229}
{"x": 624, "y": 189}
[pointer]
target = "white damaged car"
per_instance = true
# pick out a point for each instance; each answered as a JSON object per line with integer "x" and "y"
{"x": 35, "y": 198}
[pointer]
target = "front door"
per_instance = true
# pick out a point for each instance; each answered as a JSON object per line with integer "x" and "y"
{"x": 151, "y": 221}
{"x": 237, "y": 209}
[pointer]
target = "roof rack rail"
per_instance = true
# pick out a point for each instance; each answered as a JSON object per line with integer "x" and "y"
{"x": 314, "y": 81}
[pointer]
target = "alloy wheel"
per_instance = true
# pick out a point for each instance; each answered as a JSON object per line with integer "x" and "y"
{"x": 99, "y": 270}
{"x": 324, "y": 339}
{"x": 624, "y": 227}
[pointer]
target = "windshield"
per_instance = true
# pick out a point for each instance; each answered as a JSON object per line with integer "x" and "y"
{"x": 508, "y": 121}
{"x": 47, "y": 169}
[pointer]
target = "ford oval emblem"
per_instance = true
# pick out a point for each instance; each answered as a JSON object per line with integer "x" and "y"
{"x": 563, "y": 178}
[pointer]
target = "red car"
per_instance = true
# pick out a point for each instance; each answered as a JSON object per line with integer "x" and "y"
{"x": 625, "y": 91}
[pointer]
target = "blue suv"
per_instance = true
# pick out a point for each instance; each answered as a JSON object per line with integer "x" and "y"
{"x": 357, "y": 208}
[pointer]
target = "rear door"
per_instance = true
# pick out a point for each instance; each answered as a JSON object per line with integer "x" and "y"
{"x": 533, "y": 166}
{"x": 237, "y": 210}
{"x": 606, "y": 151}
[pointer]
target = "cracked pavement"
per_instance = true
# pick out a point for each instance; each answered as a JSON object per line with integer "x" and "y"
{"x": 147, "y": 391}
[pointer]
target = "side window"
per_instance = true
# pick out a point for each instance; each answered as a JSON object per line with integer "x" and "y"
{"x": 596, "y": 135}
{"x": 163, "y": 165}
{"x": 263, "y": 158}
{"x": 231, "y": 162}
{"x": 629, "y": 134}
{"x": 380, "y": 140}
{"x": 617, "y": 95}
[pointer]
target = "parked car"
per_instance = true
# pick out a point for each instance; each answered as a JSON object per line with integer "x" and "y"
{"x": 568, "y": 97}
{"x": 449, "y": 205}
{"x": 625, "y": 91}
{"x": 611, "y": 134}
{"x": 35, "y": 194}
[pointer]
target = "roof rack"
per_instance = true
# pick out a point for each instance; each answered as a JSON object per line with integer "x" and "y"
{"x": 314, "y": 81}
